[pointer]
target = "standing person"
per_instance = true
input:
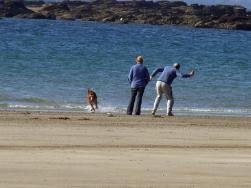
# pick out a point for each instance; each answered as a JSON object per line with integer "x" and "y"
{"x": 164, "y": 85}
{"x": 138, "y": 78}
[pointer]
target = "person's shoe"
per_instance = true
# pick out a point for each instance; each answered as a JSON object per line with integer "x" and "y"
{"x": 170, "y": 114}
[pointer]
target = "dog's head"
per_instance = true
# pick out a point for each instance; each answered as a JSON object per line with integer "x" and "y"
{"x": 91, "y": 94}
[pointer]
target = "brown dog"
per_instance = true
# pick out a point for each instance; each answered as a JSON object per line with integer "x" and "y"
{"x": 92, "y": 100}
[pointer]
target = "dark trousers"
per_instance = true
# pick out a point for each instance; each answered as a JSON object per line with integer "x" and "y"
{"x": 136, "y": 93}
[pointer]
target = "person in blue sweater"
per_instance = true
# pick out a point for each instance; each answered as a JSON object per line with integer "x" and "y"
{"x": 138, "y": 78}
{"x": 164, "y": 85}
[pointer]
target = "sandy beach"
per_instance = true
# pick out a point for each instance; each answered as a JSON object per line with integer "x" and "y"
{"x": 100, "y": 150}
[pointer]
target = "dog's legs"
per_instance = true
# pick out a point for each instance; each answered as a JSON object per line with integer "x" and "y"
{"x": 96, "y": 105}
{"x": 92, "y": 108}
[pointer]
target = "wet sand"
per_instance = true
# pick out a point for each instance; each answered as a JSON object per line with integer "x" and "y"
{"x": 95, "y": 150}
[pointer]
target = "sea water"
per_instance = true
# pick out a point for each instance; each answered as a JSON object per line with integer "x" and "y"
{"x": 48, "y": 65}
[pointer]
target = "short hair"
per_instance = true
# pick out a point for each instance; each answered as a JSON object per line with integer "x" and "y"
{"x": 176, "y": 65}
{"x": 139, "y": 59}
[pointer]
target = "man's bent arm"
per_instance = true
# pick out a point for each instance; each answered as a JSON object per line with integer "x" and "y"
{"x": 156, "y": 71}
{"x": 130, "y": 75}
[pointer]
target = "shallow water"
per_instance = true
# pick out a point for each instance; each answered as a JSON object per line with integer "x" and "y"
{"x": 48, "y": 65}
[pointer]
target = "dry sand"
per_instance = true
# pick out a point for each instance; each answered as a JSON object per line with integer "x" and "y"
{"x": 94, "y": 150}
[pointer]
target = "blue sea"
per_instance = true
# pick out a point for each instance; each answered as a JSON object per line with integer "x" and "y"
{"x": 48, "y": 65}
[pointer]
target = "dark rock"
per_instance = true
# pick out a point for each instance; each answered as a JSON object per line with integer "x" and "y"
{"x": 13, "y": 8}
{"x": 55, "y": 7}
{"x": 242, "y": 26}
{"x": 16, "y": 8}
{"x": 34, "y": 3}
{"x": 73, "y": 3}
{"x": 83, "y": 11}
{"x": 220, "y": 10}
{"x": 56, "y": 11}
{"x": 102, "y": 2}
{"x": 177, "y": 4}
{"x": 240, "y": 11}
{"x": 32, "y": 15}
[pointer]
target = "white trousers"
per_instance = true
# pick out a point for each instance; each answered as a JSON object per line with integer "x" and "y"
{"x": 163, "y": 88}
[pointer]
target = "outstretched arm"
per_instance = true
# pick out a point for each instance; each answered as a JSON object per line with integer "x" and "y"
{"x": 188, "y": 75}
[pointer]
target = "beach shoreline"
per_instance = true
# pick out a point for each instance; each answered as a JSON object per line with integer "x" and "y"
{"x": 73, "y": 149}
{"x": 181, "y": 112}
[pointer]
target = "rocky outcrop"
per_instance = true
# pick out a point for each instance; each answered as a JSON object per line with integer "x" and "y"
{"x": 143, "y": 12}
{"x": 16, "y": 8}
{"x": 220, "y": 16}
{"x": 56, "y": 11}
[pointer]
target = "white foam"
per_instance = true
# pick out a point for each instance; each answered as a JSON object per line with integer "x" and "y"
{"x": 122, "y": 110}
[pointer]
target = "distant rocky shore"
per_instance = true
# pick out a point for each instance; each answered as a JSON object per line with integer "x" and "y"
{"x": 142, "y": 12}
